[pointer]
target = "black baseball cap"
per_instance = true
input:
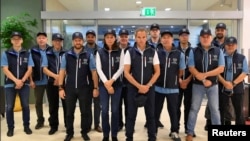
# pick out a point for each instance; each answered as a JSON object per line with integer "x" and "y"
{"x": 205, "y": 31}
{"x": 16, "y": 33}
{"x": 231, "y": 40}
{"x": 166, "y": 32}
{"x": 123, "y": 31}
{"x": 154, "y": 25}
{"x": 110, "y": 31}
{"x": 41, "y": 33}
{"x": 184, "y": 30}
{"x": 90, "y": 32}
{"x": 77, "y": 35}
{"x": 57, "y": 36}
{"x": 221, "y": 25}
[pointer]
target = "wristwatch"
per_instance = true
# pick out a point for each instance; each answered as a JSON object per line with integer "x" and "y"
{"x": 60, "y": 87}
{"x": 96, "y": 88}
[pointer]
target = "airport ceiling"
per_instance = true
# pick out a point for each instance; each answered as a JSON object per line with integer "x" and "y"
{"x": 131, "y": 5}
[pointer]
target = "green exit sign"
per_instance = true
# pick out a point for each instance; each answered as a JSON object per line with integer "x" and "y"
{"x": 148, "y": 11}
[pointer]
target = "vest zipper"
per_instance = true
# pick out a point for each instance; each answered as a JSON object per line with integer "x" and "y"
{"x": 18, "y": 60}
{"x": 41, "y": 75}
{"x": 142, "y": 69}
{"x": 165, "y": 72}
{"x": 110, "y": 63}
{"x": 76, "y": 72}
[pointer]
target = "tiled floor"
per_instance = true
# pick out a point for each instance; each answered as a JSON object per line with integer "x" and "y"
{"x": 139, "y": 135}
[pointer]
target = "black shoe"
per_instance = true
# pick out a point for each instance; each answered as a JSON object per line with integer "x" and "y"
{"x": 85, "y": 137}
{"x": 3, "y": 115}
{"x": 52, "y": 131}
{"x": 68, "y": 137}
{"x": 27, "y": 130}
{"x": 105, "y": 139}
{"x": 160, "y": 124}
{"x": 208, "y": 122}
{"x": 10, "y": 132}
{"x": 39, "y": 125}
{"x": 145, "y": 125}
{"x": 114, "y": 139}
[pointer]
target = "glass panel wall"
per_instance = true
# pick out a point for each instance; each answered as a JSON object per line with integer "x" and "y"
{"x": 214, "y": 5}
{"x": 67, "y": 28}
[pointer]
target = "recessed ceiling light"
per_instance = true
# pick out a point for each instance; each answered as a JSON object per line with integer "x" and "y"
{"x": 133, "y": 26}
{"x": 138, "y": 2}
{"x": 167, "y": 9}
{"x": 172, "y": 26}
{"x": 205, "y": 21}
{"x": 146, "y": 26}
{"x": 121, "y": 26}
{"x": 106, "y": 9}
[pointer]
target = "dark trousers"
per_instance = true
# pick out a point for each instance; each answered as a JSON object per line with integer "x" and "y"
{"x": 172, "y": 106}
{"x": 115, "y": 99}
{"x": 39, "y": 93}
{"x": 149, "y": 109}
{"x": 10, "y": 95}
{"x": 97, "y": 109}
{"x": 185, "y": 94}
{"x": 123, "y": 100}
{"x": 72, "y": 95}
{"x": 237, "y": 102}
{"x": 53, "y": 99}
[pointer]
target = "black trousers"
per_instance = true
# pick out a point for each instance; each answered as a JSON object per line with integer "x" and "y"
{"x": 149, "y": 108}
{"x": 123, "y": 100}
{"x": 186, "y": 96}
{"x": 97, "y": 109}
{"x": 172, "y": 107}
{"x": 53, "y": 99}
{"x": 237, "y": 102}
{"x": 83, "y": 97}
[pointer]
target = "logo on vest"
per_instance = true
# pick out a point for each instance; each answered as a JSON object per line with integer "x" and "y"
{"x": 25, "y": 60}
{"x": 117, "y": 59}
{"x": 174, "y": 61}
{"x": 215, "y": 58}
{"x": 150, "y": 60}
{"x": 85, "y": 61}
{"x": 239, "y": 66}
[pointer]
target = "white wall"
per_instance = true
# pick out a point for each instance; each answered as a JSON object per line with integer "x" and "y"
{"x": 246, "y": 29}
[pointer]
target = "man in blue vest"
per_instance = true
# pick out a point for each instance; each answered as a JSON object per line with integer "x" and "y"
{"x": 51, "y": 67}
{"x": 38, "y": 80}
{"x": 232, "y": 81}
{"x": 172, "y": 65}
{"x": 17, "y": 64}
{"x": 76, "y": 65}
{"x": 141, "y": 69}
{"x": 92, "y": 48}
{"x": 124, "y": 45}
{"x": 205, "y": 63}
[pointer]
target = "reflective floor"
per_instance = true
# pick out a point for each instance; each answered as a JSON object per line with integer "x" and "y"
{"x": 139, "y": 135}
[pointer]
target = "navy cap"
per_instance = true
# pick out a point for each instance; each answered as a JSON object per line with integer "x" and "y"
{"x": 110, "y": 31}
{"x": 184, "y": 30}
{"x": 123, "y": 31}
{"x": 231, "y": 40}
{"x": 57, "y": 36}
{"x": 140, "y": 100}
{"x": 77, "y": 35}
{"x": 16, "y": 33}
{"x": 41, "y": 33}
{"x": 90, "y": 32}
{"x": 221, "y": 25}
{"x": 205, "y": 31}
{"x": 154, "y": 25}
{"x": 167, "y": 32}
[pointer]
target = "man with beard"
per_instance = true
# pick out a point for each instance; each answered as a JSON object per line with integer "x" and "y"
{"x": 154, "y": 42}
{"x": 76, "y": 65}
{"x": 219, "y": 41}
{"x": 154, "y": 39}
{"x": 92, "y": 48}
